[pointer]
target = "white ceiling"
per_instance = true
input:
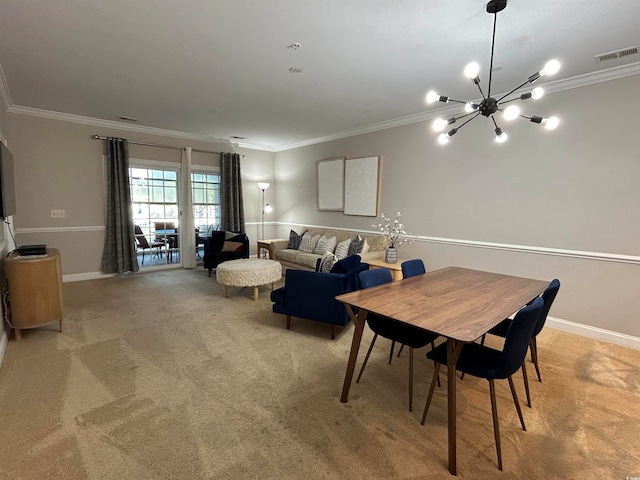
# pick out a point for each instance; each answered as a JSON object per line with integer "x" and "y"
{"x": 220, "y": 68}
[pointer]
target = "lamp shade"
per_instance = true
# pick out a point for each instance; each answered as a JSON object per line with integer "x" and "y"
{"x": 263, "y": 185}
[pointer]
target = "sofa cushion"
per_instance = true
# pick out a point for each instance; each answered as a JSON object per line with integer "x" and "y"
{"x": 295, "y": 239}
{"x": 287, "y": 255}
{"x": 342, "y": 249}
{"x": 308, "y": 260}
{"x": 325, "y": 245}
{"x": 309, "y": 242}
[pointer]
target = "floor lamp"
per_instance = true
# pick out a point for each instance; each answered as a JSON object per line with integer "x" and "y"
{"x": 263, "y": 186}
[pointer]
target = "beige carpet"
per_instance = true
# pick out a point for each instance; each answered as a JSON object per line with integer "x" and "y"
{"x": 158, "y": 377}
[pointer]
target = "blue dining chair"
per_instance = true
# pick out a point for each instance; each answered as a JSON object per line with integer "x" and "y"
{"x": 548, "y": 296}
{"x": 392, "y": 329}
{"x": 411, "y": 268}
{"x": 485, "y": 362}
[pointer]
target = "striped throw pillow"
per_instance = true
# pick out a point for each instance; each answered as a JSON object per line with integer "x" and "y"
{"x": 342, "y": 249}
{"x": 309, "y": 242}
{"x": 325, "y": 245}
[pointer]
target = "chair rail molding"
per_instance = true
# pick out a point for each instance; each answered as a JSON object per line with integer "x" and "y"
{"x": 91, "y": 228}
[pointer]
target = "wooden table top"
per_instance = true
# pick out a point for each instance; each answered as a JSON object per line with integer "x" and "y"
{"x": 455, "y": 302}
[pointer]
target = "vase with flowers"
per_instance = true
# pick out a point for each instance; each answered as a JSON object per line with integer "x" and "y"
{"x": 395, "y": 233}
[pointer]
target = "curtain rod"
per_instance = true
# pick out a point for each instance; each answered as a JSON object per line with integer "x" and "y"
{"x": 159, "y": 145}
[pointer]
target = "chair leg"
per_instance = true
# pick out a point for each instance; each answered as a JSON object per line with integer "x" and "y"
{"x": 410, "y": 379}
{"x": 209, "y": 272}
{"x": 436, "y": 374}
{"x": 333, "y": 332}
{"x": 534, "y": 356}
{"x": 393, "y": 344}
{"x": 496, "y": 427}
{"x": 482, "y": 339}
{"x": 526, "y": 383}
{"x": 288, "y": 322}
{"x": 517, "y": 403}
{"x": 400, "y": 351}
{"x": 366, "y": 358}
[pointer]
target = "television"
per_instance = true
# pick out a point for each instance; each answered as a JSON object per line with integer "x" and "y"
{"x": 7, "y": 187}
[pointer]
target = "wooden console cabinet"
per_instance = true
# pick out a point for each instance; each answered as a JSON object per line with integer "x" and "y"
{"x": 35, "y": 290}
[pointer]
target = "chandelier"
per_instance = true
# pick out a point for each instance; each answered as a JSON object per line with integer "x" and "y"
{"x": 490, "y": 105}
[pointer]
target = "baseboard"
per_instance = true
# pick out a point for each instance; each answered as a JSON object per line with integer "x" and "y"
{"x": 81, "y": 277}
{"x": 594, "y": 332}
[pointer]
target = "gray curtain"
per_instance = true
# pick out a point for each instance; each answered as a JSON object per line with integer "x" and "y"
{"x": 119, "y": 254}
{"x": 231, "y": 193}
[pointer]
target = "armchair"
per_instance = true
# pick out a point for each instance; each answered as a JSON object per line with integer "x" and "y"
{"x": 218, "y": 248}
{"x": 311, "y": 295}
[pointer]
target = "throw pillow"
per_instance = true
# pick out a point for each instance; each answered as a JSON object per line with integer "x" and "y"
{"x": 357, "y": 244}
{"x": 232, "y": 246}
{"x": 295, "y": 239}
{"x": 309, "y": 242}
{"x": 342, "y": 249}
{"x": 327, "y": 262}
{"x": 325, "y": 245}
{"x": 365, "y": 247}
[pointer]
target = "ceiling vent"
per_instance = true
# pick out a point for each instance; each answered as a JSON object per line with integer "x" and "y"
{"x": 603, "y": 57}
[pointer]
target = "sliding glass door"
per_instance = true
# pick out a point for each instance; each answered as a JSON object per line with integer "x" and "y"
{"x": 154, "y": 196}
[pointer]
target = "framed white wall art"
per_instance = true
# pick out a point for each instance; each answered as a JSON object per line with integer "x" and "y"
{"x": 331, "y": 184}
{"x": 361, "y": 178}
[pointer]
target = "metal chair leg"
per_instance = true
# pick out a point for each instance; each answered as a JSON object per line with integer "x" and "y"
{"x": 436, "y": 375}
{"x": 400, "y": 351}
{"x": 366, "y": 358}
{"x": 496, "y": 427}
{"x": 526, "y": 383}
{"x": 410, "y": 379}
{"x": 393, "y": 344}
{"x": 534, "y": 356}
{"x": 517, "y": 403}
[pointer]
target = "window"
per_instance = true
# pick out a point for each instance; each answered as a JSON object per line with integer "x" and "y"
{"x": 205, "y": 192}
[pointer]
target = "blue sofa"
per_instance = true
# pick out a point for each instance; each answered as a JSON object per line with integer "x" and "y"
{"x": 311, "y": 295}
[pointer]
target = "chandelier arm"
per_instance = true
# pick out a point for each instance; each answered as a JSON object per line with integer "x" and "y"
{"x": 493, "y": 42}
{"x": 511, "y": 100}
{"x": 494, "y": 122}
{"x": 464, "y": 123}
{"x": 517, "y": 88}
{"x": 456, "y": 101}
{"x": 466, "y": 115}
{"x": 480, "y": 88}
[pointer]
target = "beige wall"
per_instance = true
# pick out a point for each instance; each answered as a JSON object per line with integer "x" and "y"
{"x": 572, "y": 189}
{"x": 59, "y": 166}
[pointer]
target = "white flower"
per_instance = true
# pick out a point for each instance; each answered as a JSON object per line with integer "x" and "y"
{"x": 395, "y": 231}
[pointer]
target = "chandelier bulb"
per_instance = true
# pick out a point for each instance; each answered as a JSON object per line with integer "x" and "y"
{"x": 511, "y": 112}
{"x": 550, "y": 123}
{"x": 551, "y": 67}
{"x": 537, "y": 93}
{"x": 434, "y": 97}
{"x": 443, "y": 139}
{"x": 471, "y": 70}
{"x": 470, "y": 107}
{"x": 501, "y": 137}
{"x": 439, "y": 124}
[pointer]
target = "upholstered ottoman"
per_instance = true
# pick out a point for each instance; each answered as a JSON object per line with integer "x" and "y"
{"x": 248, "y": 272}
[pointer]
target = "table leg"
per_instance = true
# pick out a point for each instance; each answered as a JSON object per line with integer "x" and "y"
{"x": 255, "y": 294}
{"x": 453, "y": 352}
{"x": 17, "y": 333}
{"x": 359, "y": 321}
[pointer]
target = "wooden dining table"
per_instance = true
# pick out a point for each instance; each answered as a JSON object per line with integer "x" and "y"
{"x": 459, "y": 304}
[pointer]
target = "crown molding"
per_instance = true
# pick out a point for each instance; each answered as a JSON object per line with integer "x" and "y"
{"x": 551, "y": 87}
{"x": 97, "y": 122}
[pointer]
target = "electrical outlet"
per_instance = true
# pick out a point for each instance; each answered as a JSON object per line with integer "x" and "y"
{"x": 58, "y": 213}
